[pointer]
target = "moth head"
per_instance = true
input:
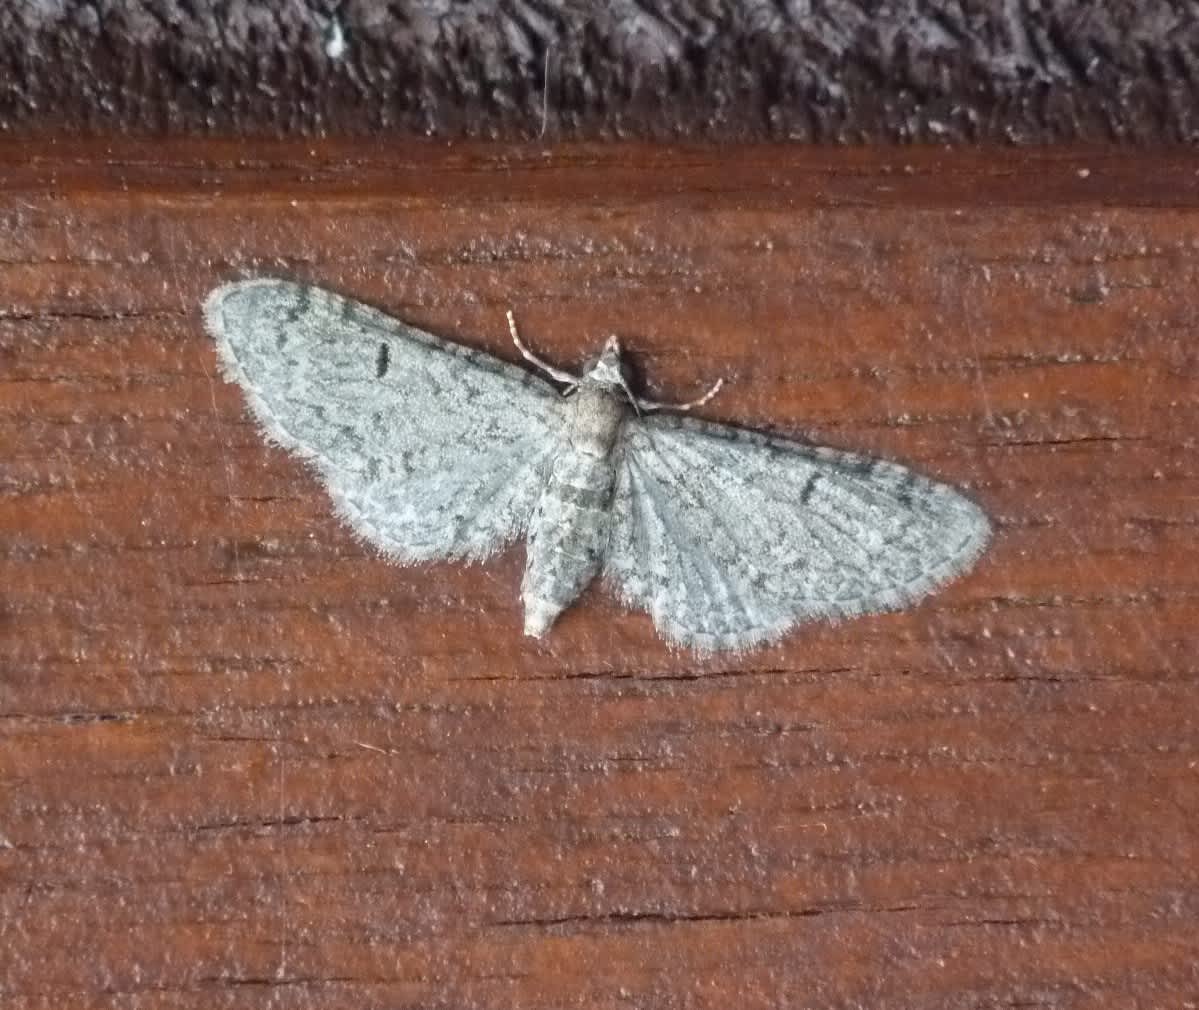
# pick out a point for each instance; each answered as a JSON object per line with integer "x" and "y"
{"x": 609, "y": 368}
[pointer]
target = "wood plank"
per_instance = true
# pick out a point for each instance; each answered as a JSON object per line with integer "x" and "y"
{"x": 242, "y": 759}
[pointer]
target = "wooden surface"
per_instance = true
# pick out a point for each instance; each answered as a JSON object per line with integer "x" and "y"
{"x": 244, "y": 763}
{"x": 833, "y": 71}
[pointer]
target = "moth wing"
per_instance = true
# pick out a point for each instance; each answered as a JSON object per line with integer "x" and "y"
{"x": 429, "y": 449}
{"x": 728, "y": 538}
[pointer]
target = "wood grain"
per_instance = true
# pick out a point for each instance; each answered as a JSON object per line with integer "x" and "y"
{"x": 245, "y": 763}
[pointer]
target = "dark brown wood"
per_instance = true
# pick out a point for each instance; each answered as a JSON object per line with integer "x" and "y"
{"x": 245, "y": 763}
{"x": 841, "y": 71}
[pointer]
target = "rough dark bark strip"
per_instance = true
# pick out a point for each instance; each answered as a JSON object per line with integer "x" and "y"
{"x": 832, "y": 71}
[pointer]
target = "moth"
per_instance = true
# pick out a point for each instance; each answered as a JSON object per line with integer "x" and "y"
{"x": 431, "y": 450}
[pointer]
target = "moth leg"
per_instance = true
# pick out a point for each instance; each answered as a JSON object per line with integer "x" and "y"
{"x": 699, "y": 401}
{"x": 545, "y": 366}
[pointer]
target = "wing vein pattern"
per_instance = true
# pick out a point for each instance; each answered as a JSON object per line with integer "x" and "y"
{"x": 729, "y": 537}
{"x": 425, "y": 458}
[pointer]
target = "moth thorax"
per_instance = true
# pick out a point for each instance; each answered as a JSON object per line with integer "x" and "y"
{"x": 595, "y": 419}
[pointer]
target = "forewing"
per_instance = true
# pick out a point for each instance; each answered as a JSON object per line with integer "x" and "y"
{"x": 429, "y": 449}
{"x": 729, "y": 538}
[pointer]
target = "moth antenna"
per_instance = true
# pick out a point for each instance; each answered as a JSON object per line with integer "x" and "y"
{"x": 528, "y": 355}
{"x": 699, "y": 401}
